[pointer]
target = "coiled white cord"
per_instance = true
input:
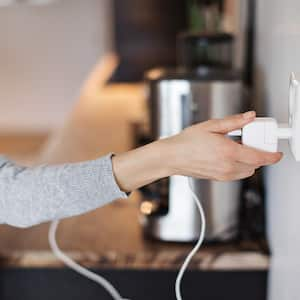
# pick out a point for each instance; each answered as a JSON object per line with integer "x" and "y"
{"x": 105, "y": 283}
{"x": 197, "y": 246}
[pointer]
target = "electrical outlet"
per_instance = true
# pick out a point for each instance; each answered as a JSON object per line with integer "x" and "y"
{"x": 294, "y": 116}
{"x": 264, "y": 133}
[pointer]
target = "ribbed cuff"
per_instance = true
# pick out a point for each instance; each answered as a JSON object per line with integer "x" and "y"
{"x": 110, "y": 177}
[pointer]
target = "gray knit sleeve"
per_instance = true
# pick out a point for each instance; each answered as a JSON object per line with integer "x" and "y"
{"x": 30, "y": 196}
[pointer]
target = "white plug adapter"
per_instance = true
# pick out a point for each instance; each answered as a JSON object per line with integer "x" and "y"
{"x": 264, "y": 133}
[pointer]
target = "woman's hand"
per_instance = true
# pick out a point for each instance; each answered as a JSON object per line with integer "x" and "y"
{"x": 201, "y": 151}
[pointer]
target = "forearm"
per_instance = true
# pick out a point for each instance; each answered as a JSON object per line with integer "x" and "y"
{"x": 142, "y": 166}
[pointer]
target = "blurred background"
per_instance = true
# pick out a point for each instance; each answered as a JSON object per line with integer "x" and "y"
{"x": 79, "y": 79}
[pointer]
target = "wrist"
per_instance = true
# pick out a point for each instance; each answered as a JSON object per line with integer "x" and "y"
{"x": 141, "y": 166}
{"x": 171, "y": 149}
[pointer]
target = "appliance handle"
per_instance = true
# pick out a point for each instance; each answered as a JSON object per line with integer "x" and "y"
{"x": 186, "y": 111}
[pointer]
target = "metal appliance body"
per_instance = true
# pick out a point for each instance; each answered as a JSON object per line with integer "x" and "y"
{"x": 176, "y": 102}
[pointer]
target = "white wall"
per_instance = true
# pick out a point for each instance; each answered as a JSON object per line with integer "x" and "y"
{"x": 278, "y": 52}
{"x": 45, "y": 54}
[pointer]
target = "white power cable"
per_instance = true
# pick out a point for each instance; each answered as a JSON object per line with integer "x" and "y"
{"x": 197, "y": 246}
{"x": 78, "y": 268}
{"x": 105, "y": 283}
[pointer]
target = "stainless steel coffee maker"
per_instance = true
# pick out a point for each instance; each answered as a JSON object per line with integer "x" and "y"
{"x": 179, "y": 98}
{"x": 203, "y": 86}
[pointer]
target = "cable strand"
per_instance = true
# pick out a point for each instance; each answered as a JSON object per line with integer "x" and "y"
{"x": 196, "y": 247}
{"x": 77, "y": 267}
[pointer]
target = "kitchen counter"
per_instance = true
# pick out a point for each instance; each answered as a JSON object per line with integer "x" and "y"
{"x": 110, "y": 241}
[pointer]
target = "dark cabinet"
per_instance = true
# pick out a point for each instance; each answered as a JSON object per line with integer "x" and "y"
{"x": 145, "y": 34}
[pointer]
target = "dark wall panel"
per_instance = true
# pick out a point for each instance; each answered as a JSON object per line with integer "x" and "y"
{"x": 64, "y": 284}
{"x": 145, "y": 34}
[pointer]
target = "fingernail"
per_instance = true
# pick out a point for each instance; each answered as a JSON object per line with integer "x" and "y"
{"x": 249, "y": 115}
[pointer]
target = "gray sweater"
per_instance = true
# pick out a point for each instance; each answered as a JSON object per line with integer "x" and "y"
{"x": 30, "y": 196}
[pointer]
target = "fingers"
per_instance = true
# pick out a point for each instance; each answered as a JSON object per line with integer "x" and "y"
{"x": 240, "y": 161}
{"x": 255, "y": 157}
{"x": 231, "y": 123}
{"x": 241, "y": 175}
{"x": 234, "y": 171}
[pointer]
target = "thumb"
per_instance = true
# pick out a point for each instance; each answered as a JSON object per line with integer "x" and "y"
{"x": 230, "y": 123}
